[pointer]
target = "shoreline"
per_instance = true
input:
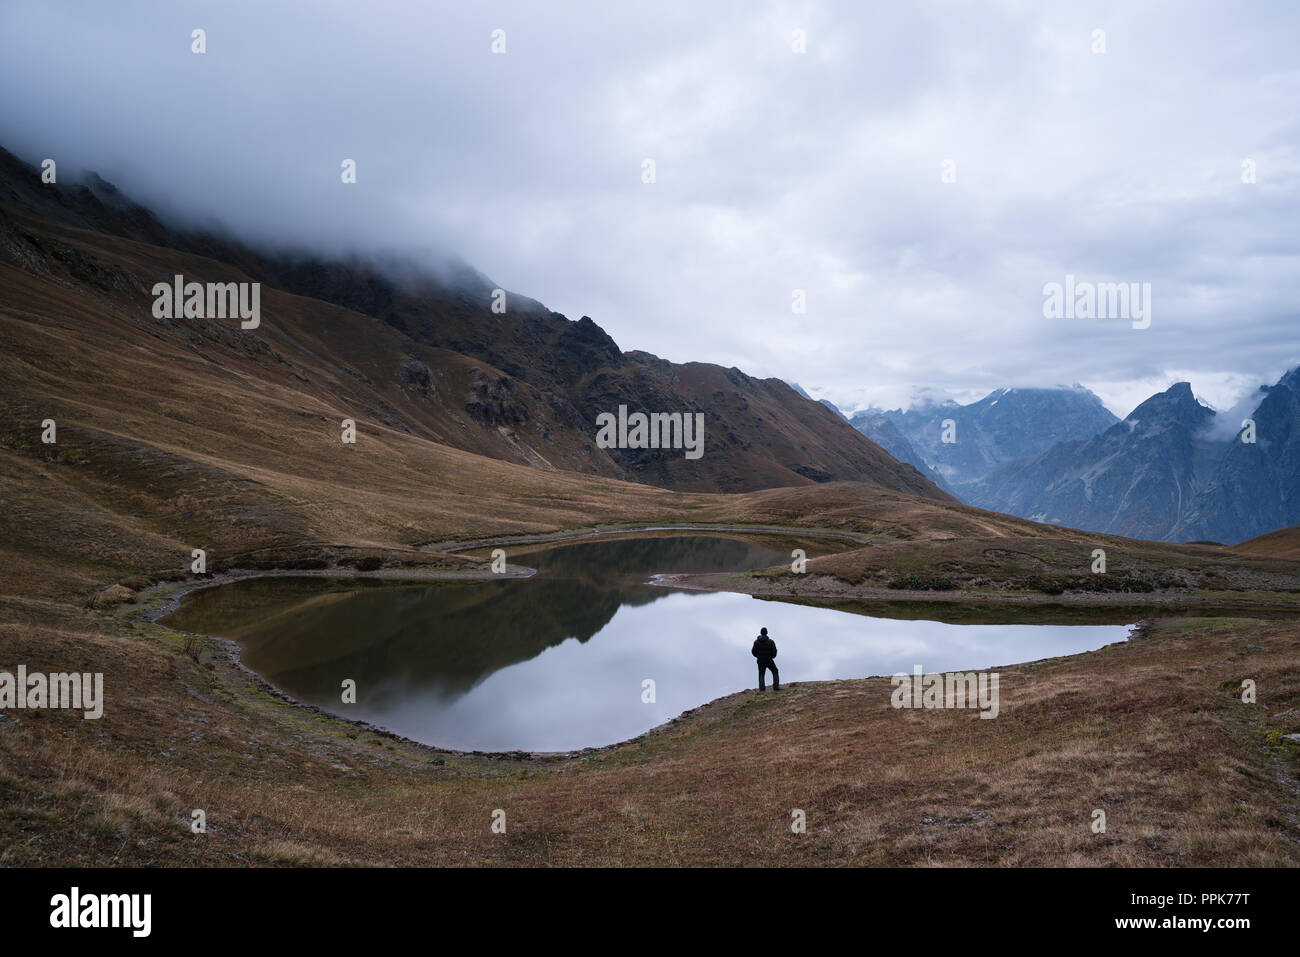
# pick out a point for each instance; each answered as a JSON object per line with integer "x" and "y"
{"x": 828, "y": 588}
{"x": 160, "y": 599}
{"x": 165, "y": 597}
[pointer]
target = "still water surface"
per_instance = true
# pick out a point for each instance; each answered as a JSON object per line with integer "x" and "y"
{"x": 557, "y": 662}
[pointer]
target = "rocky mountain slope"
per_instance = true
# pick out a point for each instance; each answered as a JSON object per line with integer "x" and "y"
{"x": 1140, "y": 474}
{"x": 879, "y": 428}
{"x": 419, "y": 352}
{"x": 1254, "y": 487}
{"x": 1166, "y": 473}
{"x": 1005, "y": 425}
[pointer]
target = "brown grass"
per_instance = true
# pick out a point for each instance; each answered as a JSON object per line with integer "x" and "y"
{"x": 1283, "y": 543}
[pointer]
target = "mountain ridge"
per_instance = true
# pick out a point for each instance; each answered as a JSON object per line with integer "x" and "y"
{"x": 1162, "y": 474}
{"x": 525, "y": 386}
{"x": 1006, "y": 424}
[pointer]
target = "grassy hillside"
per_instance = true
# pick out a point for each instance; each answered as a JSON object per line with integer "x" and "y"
{"x": 1052, "y": 566}
{"x": 1284, "y": 543}
{"x": 426, "y": 355}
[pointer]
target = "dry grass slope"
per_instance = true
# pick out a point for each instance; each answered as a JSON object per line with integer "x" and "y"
{"x": 1284, "y": 543}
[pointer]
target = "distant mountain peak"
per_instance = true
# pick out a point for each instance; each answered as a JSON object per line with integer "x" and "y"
{"x": 1176, "y": 404}
{"x": 1010, "y": 422}
{"x": 1173, "y": 469}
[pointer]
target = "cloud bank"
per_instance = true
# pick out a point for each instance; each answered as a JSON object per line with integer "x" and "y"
{"x": 776, "y": 171}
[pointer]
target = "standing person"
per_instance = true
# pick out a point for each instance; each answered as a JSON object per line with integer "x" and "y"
{"x": 765, "y": 651}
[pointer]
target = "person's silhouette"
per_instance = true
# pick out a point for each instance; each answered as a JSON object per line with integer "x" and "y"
{"x": 765, "y": 651}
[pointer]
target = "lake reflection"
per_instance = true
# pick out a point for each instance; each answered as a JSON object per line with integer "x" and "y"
{"x": 557, "y": 662}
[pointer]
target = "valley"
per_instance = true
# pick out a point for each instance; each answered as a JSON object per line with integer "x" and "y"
{"x": 476, "y": 431}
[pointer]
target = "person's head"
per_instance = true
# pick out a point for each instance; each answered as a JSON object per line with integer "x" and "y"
{"x": 762, "y": 631}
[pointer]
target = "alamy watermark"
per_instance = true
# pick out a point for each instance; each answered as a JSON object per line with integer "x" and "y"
{"x": 658, "y": 430}
{"x": 75, "y": 909}
{"x": 214, "y": 300}
{"x": 37, "y": 690}
{"x": 970, "y": 689}
{"x": 1098, "y": 300}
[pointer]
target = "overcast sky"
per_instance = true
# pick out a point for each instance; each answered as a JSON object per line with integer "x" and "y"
{"x": 775, "y": 170}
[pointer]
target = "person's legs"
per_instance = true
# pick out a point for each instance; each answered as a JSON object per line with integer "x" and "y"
{"x": 761, "y": 682}
{"x": 776, "y": 677}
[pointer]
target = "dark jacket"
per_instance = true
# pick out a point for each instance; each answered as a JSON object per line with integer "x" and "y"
{"x": 764, "y": 648}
